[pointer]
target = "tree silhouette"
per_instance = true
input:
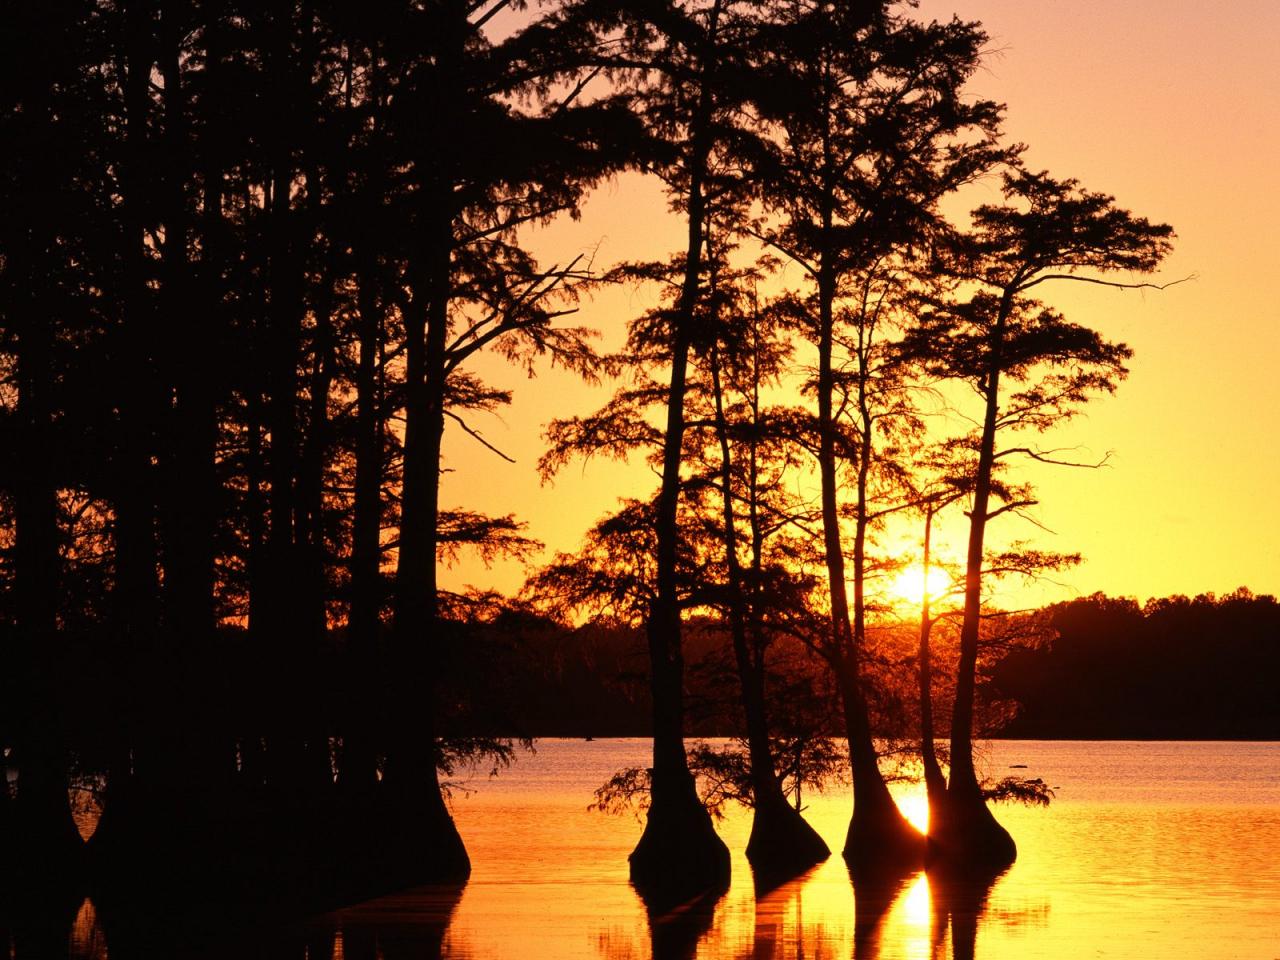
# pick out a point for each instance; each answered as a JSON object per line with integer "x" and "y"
{"x": 236, "y": 257}
{"x": 871, "y": 133}
{"x": 689, "y": 74}
{"x": 746, "y": 357}
{"x": 1046, "y": 230}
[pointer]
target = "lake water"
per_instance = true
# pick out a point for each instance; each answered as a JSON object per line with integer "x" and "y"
{"x": 1168, "y": 850}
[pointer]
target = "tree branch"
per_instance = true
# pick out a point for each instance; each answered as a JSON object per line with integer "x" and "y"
{"x": 1043, "y": 457}
{"x": 1106, "y": 283}
{"x": 462, "y": 423}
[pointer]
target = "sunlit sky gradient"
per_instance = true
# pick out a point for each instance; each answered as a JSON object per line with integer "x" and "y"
{"x": 1171, "y": 107}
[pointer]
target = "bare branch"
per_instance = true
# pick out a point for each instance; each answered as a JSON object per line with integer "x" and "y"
{"x": 1044, "y": 457}
{"x": 489, "y": 14}
{"x": 462, "y": 423}
{"x": 1106, "y": 283}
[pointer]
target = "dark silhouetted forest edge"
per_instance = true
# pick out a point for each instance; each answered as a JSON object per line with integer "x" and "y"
{"x": 1174, "y": 668}
{"x": 1171, "y": 669}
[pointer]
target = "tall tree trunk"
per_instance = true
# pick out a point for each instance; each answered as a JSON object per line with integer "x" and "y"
{"x": 877, "y": 829}
{"x": 43, "y": 839}
{"x": 136, "y": 765}
{"x": 309, "y": 519}
{"x": 935, "y": 783}
{"x": 781, "y": 844}
{"x": 200, "y": 753}
{"x": 419, "y": 635}
{"x": 679, "y": 851}
{"x": 966, "y": 832}
{"x": 254, "y": 720}
{"x": 43, "y": 830}
{"x": 287, "y": 740}
{"x": 359, "y": 755}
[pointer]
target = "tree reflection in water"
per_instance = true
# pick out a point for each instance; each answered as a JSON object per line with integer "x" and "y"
{"x": 676, "y": 930}
{"x": 875, "y": 891}
{"x": 779, "y": 919}
{"x": 958, "y": 899}
{"x": 410, "y": 925}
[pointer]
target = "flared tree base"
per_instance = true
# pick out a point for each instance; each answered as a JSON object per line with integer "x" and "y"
{"x": 679, "y": 855}
{"x": 782, "y": 844}
{"x": 965, "y": 836}
{"x": 251, "y": 861}
{"x": 881, "y": 839}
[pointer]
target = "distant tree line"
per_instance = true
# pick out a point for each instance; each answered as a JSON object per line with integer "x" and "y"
{"x": 1098, "y": 668}
{"x": 248, "y": 254}
{"x": 1175, "y": 668}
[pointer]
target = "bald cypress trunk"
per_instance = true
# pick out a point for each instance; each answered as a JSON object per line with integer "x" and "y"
{"x": 420, "y": 635}
{"x": 679, "y": 851}
{"x": 877, "y": 829}
{"x": 935, "y": 783}
{"x": 781, "y": 844}
{"x": 200, "y": 754}
{"x": 43, "y": 831}
{"x": 359, "y": 754}
{"x": 962, "y": 829}
{"x": 136, "y": 591}
{"x": 42, "y": 841}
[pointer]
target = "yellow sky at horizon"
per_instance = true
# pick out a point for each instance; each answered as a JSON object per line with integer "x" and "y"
{"x": 1170, "y": 107}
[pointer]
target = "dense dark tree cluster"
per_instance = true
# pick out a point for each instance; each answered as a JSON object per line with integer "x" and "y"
{"x": 247, "y": 255}
{"x": 248, "y": 251}
{"x": 1174, "y": 668}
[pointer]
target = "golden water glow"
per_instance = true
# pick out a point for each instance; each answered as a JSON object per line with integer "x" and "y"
{"x": 916, "y": 902}
{"x": 1095, "y": 875}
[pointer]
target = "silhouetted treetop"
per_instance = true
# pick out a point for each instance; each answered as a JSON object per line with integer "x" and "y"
{"x": 1048, "y": 225}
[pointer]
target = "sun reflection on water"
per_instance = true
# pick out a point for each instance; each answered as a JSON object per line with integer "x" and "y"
{"x": 915, "y": 904}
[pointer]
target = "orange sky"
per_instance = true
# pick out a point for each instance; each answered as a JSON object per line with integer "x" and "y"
{"x": 1171, "y": 107}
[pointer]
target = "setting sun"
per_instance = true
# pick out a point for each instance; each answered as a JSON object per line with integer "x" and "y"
{"x": 909, "y": 585}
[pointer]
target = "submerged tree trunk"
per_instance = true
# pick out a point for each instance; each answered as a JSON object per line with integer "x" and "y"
{"x": 419, "y": 632}
{"x": 877, "y": 829}
{"x": 41, "y": 843}
{"x": 309, "y": 518}
{"x": 358, "y": 771}
{"x": 782, "y": 844}
{"x": 43, "y": 837}
{"x": 136, "y": 764}
{"x": 963, "y": 830}
{"x": 935, "y": 783}
{"x": 199, "y": 753}
{"x": 679, "y": 851}
{"x": 298, "y": 750}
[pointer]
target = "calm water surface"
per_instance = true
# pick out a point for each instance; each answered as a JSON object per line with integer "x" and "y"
{"x": 1167, "y": 850}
